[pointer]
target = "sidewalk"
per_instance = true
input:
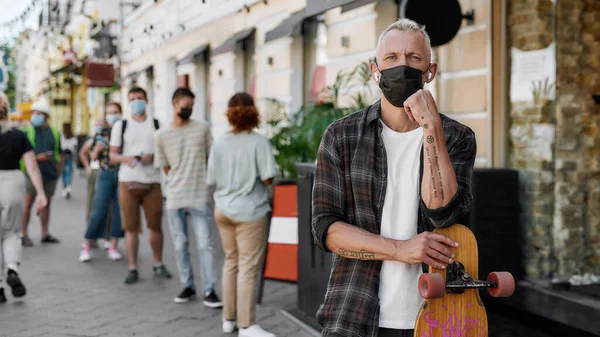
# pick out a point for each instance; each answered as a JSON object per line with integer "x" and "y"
{"x": 69, "y": 298}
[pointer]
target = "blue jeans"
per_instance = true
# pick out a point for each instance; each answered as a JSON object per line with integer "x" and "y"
{"x": 201, "y": 221}
{"x": 107, "y": 190}
{"x": 67, "y": 172}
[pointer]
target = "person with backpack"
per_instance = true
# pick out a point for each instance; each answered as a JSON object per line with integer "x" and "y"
{"x": 132, "y": 147}
{"x": 46, "y": 143}
{"x": 106, "y": 192}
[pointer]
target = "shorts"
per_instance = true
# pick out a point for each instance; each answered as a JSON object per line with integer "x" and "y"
{"x": 152, "y": 203}
{"x": 49, "y": 187}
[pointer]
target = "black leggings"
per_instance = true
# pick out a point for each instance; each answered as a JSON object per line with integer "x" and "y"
{"x": 383, "y": 332}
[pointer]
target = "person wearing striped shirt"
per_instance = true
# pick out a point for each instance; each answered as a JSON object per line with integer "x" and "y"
{"x": 181, "y": 150}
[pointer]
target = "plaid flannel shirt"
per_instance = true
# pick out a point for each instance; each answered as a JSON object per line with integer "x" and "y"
{"x": 350, "y": 186}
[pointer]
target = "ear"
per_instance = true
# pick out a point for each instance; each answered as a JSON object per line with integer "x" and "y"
{"x": 430, "y": 74}
{"x": 375, "y": 72}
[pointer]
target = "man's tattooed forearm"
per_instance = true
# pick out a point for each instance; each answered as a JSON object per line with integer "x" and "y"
{"x": 362, "y": 255}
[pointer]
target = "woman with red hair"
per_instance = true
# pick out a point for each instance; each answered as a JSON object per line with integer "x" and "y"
{"x": 241, "y": 165}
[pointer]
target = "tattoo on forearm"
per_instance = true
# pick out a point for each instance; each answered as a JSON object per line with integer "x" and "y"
{"x": 436, "y": 163}
{"x": 362, "y": 255}
{"x": 431, "y": 172}
{"x": 439, "y": 171}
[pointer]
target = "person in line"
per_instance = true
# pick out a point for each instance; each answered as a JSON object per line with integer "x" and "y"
{"x": 68, "y": 143}
{"x": 45, "y": 140}
{"x": 106, "y": 192}
{"x": 132, "y": 147}
{"x": 182, "y": 152}
{"x": 241, "y": 166}
{"x": 386, "y": 177}
{"x": 92, "y": 167}
{"x": 14, "y": 147}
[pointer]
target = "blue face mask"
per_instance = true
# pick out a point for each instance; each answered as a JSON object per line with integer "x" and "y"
{"x": 112, "y": 119}
{"x": 38, "y": 120}
{"x": 138, "y": 107}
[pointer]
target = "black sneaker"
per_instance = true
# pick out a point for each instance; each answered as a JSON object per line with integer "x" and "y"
{"x": 13, "y": 280}
{"x": 2, "y": 296}
{"x": 50, "y": 239}
{"x": 186, "y": 295}
{"x": 132, "y": 277}
{"x": 211, "y": 300}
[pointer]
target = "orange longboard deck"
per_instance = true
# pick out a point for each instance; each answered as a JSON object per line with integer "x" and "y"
{"x": 455, "y": 315}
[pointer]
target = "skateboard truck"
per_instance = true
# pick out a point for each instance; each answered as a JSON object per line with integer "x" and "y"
{"x": 432, "y": 285}
{"x": 457, "y": 280}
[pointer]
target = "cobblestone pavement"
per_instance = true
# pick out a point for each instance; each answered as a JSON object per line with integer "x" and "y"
{"x": 69, "y": 298}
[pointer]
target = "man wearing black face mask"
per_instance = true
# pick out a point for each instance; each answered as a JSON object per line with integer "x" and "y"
{"x": 386, "y": 177}
{"x": 182, "y": 152}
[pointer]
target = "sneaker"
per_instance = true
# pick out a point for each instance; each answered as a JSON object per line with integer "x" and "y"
{"x": 186, "y": 295}
{"x": 2, "y": 296}
{"x": 85, "y": 255}
{"x": 114, "y": 254}
{"x": 254, "y": 331}
{"x": 132, "y": 277}
{"x": 50, "y": 239}
{"x": 228, "y": 326}
{"x": 13, "y": 280}
{"x": 161, "y": 271}
{"x": 211, "y": 300}
{"x": 26, "y": 241}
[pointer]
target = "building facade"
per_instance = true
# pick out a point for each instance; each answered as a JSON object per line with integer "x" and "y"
{"x": 521, "y": 74}
{"x": 70, "y": 61}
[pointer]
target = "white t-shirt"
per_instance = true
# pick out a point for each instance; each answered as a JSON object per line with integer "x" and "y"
{"x": 398, "y": 291}
{"x": 68, "y": 144}
{"x": 139, "y": 140}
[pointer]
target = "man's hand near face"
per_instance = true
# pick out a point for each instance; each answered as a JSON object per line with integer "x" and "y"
{"x": 421, "y": 107}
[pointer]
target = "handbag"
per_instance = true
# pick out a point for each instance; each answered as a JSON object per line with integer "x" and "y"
{"x": 139, "y": 190}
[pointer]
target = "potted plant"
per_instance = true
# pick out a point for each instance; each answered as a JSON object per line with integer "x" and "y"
{"x": 295, "y": 139}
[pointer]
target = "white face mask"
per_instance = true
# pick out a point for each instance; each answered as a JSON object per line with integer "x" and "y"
{"x": 112, "y": 119}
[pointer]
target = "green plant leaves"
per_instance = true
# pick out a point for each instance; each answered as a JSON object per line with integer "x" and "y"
{"x": 296, "y": 137}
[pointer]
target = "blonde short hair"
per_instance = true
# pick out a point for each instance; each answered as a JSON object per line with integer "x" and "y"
{"x": 407, "y": 25}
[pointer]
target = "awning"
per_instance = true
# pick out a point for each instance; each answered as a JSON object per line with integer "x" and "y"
{"x": 291, "y": 26}
{"x": 66, "y": 69}
{"x": 134, "y": 74}
{"x": 130, "y": 75}
{"x": 194, "y": 55}
{"x": 314, "y": 7}
{"x": 356, "y": 4}
{"x": 232, "y": 43}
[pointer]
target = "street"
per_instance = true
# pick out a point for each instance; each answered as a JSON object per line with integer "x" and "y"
{"x": 69, "y": 298}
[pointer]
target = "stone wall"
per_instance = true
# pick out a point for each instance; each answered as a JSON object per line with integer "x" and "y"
{"x": 555, "y": 143}
{"x": 532, "y": 135}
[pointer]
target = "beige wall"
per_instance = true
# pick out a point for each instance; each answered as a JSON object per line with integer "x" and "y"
{"x": 464, "y": 78}
{"x": 462, "y": 89}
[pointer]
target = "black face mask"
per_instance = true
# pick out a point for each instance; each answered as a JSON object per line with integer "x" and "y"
{"x": 399, "y": 83}
{"x": 185, "y": 113}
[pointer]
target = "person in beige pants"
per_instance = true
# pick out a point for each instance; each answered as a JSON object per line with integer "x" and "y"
{"x": 241, "y": 165}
